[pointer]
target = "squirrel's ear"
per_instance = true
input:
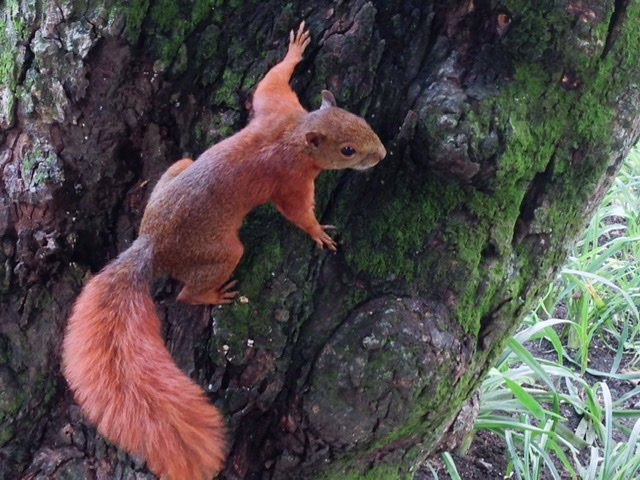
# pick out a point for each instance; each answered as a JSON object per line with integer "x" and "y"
{"x": 328, "y": 100}
{"x": 314, "y": 139}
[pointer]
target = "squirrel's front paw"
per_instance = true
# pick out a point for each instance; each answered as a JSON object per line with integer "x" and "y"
{"x": 323, "y": 239}
{"x": 298, "y": 41}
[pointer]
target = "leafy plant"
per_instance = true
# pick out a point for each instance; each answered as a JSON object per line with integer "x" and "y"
{"x": 529, "y": 400}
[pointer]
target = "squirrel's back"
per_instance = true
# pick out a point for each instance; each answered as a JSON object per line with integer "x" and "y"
{"x": 223, "y": 184}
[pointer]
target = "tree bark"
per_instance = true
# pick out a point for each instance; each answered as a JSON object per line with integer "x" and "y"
{"x": 505, "y": 123}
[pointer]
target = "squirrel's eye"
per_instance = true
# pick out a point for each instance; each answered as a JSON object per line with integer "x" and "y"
{"x": 348, "y": 151}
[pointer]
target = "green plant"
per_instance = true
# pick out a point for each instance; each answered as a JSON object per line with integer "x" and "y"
{"x": 528, "y": 399}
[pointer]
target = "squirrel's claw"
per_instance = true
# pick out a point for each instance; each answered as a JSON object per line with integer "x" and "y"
{"x": 324, "y": 240}
{"x": 225, "y": 294}
{"x": 298, "y": 41}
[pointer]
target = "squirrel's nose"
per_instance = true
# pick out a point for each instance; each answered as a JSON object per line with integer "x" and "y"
{"x": 382, "y": 152}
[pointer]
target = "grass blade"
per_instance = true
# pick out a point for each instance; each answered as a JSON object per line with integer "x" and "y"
{"x": 451, "y": 466}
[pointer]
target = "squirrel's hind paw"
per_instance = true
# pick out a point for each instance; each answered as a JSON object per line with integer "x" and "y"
{"x": 224, "y": 294}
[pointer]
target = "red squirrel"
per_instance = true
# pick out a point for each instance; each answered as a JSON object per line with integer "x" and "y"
{"x": 114, "y": 357}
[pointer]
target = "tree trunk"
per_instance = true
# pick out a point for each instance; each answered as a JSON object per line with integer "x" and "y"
{"x": 504, "y": 121}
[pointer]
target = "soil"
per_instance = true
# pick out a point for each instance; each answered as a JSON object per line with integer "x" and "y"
{"x": 486, "y": 459}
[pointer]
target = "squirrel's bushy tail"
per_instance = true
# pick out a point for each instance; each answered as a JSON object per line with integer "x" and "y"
{"x": 125, "y": 380}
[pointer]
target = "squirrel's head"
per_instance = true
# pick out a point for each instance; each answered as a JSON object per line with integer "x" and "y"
{"x": 337, "y": 139}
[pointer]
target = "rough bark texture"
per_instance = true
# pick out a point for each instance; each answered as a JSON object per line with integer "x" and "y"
{"x": 505, "y": 121}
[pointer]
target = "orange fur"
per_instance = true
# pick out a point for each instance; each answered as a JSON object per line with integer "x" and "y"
{"x": 127, "y": 383}
{"x": 114, "y": 357}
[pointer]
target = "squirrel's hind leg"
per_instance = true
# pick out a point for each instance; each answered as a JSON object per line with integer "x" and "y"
{"x": 207, "y": 283}
{"x": 167, "y": 177}
{"x": 173, "y": 171}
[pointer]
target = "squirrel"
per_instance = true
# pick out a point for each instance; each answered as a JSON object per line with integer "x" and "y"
{"x": 114, "y": 357}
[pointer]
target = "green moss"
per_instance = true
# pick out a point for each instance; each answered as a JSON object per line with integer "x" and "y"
{"x": 227, "y": 94}
{"x": 242, "y": 321}
{"x": 10, "y": 404}
{"x": 537, "y": 143}
{"x": 250, "y": 80}
{"x": 218, "y": 14}
{"x": 202, "y": 9}
{"x": 628, "y": 40}
{"x": 535, "y": 39}
{"x": 9, "y": 68}
{"x": 172, "y": 22}
{"x": 179, "y": 25}
{"x": 39, "y": 167}
{"x": 166, "y": 13}
{"x": 135, "y": 12}
{"x": 208, "y": 46}
{"x": 534, "y": 142}
{"x": 22, "y": 31}
{"x": 257, "y": 271}
{"x": 402, "y": 232}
